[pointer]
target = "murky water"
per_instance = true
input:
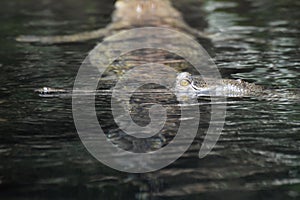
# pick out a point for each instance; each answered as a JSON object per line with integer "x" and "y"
{"x": 257, "y": 156}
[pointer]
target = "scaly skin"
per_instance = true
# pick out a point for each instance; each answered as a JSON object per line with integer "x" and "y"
{"x": 128, "y": 14}
{"x": 196, "y": 86}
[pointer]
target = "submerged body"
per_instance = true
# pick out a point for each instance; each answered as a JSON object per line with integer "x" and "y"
{"x": 128, "y": 14}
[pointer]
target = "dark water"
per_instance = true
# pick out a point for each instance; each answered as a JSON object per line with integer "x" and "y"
{"x": 257, "y": 156}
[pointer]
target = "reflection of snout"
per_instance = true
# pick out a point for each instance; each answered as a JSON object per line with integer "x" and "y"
{"x": 125, "y": 89}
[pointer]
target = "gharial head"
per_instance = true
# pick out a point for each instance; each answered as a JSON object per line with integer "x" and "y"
{"x": 186, "y": 83}
{"x": 184, "y": 80}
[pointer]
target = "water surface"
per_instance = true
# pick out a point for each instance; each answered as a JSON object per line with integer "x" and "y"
{"x": 257, "y": 156}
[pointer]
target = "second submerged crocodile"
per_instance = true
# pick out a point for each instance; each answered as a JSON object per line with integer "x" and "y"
{"x": 128, "y": 14}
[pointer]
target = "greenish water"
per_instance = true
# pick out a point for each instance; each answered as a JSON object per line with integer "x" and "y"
{"x": 257, "y": 156}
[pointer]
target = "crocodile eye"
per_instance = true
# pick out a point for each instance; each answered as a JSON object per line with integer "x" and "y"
{"x": 184, "y": 83}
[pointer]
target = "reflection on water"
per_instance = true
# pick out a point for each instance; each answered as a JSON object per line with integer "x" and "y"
{"x": 257, "y": 155}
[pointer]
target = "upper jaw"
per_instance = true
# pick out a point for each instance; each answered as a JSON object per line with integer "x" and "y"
{"x": 202, "y": 91}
